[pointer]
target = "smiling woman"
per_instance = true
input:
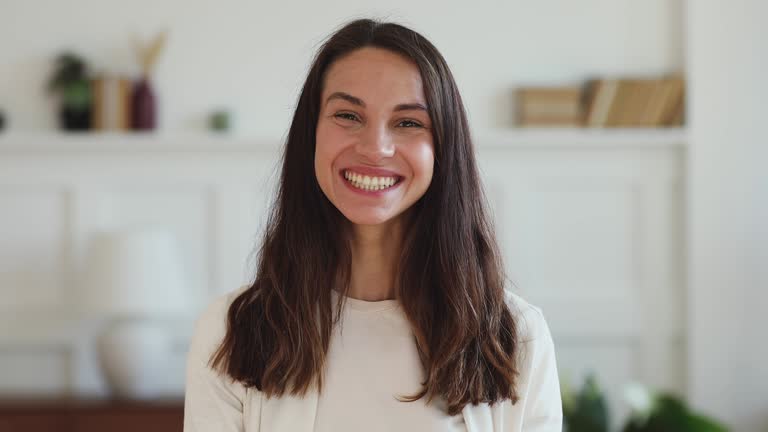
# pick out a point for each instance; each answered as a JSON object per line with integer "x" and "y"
{"x": 390, "y": 242}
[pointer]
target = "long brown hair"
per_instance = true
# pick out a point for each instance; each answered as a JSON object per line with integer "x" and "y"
{"x": 451, "y": 279}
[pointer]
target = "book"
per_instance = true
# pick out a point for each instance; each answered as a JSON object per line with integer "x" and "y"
{"x": 111, "y": 103}
{"x": 672, "y": 112}
{"x": 616, "y": 116}
{"x": 601, "y": 101}
{"x": 549, "y": 106}
{"x": 655, "y": 103}
{"x": 644, "y": 92}
{"x": 634, "y": 102}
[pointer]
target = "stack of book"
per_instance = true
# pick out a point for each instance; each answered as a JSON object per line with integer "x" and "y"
{"x": 605, "y": 103}
{"x": 634, "y": 102}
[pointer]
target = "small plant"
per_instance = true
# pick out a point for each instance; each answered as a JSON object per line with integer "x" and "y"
{"x": 664, "y": 412}
{"x": 585, "y": 411}
{"x": 71, "y": 83}
{"x": 219, "y": 121}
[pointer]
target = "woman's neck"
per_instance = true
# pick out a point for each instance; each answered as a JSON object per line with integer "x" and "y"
{"x": 375, "y": 251}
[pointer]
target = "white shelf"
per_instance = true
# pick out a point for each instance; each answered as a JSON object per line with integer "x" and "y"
{"x": 96, "y": 142}
{"x": 55, "y": 142}
{"x": 582, "y": 137}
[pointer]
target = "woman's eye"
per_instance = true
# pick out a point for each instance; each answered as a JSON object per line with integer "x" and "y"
{"x": 353, "y": 117}
{"x": 410, "y": 123}
{"x": 346, "y": 116}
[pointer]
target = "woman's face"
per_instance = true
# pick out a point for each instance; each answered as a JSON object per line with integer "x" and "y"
{"x": 374, "y": 154}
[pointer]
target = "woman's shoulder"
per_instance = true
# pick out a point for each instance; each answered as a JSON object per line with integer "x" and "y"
{"x": 212, "y": 400}
{"x": 211, "y": 323}
{"x": 220, "y": 303}
{"x": 530, "y": 318}
{"x": 540, "y": 407}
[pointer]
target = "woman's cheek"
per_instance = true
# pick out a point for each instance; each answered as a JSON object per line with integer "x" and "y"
{"x": 330, "y": 141}
{"x": 424, "y": 153}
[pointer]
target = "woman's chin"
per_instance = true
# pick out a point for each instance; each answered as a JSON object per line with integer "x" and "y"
{"x": 368, "y": 217}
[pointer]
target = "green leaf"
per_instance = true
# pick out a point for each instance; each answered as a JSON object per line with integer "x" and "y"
{"x": 586, "y": 411}
{"x": 700, "y": 423}
{"x": 77, "y": 95}
{"x": 69, "y": 68}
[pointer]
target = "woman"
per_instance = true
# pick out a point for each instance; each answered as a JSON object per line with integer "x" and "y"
{"x": 379, "y": 301}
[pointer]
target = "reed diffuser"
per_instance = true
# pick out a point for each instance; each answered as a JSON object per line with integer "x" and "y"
{"x": 144, "y": 101}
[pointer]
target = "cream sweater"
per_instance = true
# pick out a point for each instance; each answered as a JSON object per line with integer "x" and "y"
{"x": 372, "y": 359}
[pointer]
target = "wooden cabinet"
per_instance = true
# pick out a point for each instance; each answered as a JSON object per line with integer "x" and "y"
{"x": 68, "y": 415}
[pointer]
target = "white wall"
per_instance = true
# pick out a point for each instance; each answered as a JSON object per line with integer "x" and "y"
{"x": 728, "y": 210}
{"x": 252, "y": 56}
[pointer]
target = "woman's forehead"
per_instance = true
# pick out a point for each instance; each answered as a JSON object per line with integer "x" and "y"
{"x": 375, "y": 75}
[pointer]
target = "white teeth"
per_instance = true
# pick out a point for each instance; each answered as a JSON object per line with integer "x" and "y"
{"x": 369, "y": 183}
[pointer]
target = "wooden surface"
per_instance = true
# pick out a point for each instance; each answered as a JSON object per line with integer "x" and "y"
{"x": 78, "y": 415}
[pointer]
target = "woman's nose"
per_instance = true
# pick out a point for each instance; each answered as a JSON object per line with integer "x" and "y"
{"x": 376, "y": 144}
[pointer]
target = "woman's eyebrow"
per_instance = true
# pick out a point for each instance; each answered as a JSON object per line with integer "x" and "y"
{"x": 347, "y": 97}
{"x": 410, "y": 106}
{"x": 359, "y": 102}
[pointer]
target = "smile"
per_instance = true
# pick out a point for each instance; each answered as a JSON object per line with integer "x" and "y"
{"x": 370, "y": 183}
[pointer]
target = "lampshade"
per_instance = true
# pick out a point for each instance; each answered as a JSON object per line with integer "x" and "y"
{"x": 135, "y": 272}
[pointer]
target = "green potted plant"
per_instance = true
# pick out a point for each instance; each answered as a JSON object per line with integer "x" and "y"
{"x": 71, "y": 83}
{"x": 664, "y": 412}
{"x": 585, "y": 410}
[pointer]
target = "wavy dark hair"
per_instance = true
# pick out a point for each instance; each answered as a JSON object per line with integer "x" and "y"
{"x": 451, "y": 278}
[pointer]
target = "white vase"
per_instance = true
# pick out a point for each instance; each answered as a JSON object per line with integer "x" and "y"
{"x": 135, "y": 357}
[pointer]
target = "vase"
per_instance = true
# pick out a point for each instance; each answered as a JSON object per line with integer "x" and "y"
{"x": 136, "y": 358}
{"x": 143, "y": 106}
{"x": 75, "y": 119}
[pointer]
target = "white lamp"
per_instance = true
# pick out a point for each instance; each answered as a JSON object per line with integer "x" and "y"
{"x": 135, "y": 277}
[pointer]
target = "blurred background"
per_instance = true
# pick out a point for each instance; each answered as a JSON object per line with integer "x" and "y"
{"x": 621, "y": 144}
